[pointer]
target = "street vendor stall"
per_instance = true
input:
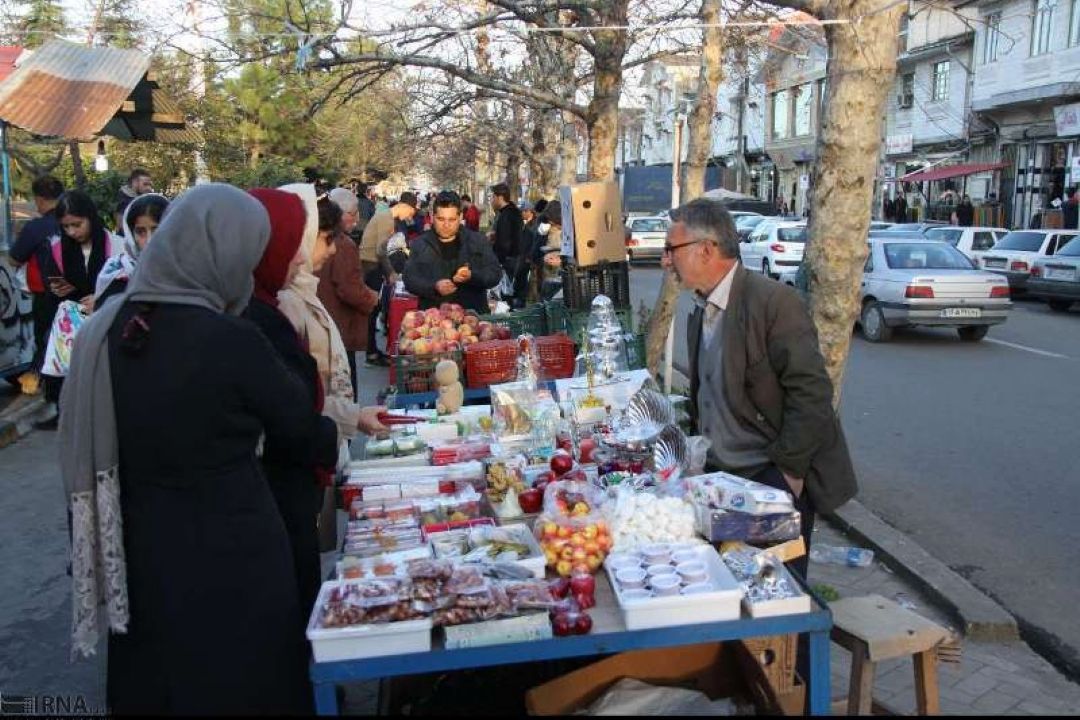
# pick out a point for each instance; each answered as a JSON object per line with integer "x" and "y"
{"x": 565, "y": 519}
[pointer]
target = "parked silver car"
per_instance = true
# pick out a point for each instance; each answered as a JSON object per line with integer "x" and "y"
{"x": 1057, "y": 279}
{"x": 928, "y": 282}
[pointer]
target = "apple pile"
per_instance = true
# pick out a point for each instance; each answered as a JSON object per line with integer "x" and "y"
{"x": 573, "y": 537}
{"x": 447, "y": 327}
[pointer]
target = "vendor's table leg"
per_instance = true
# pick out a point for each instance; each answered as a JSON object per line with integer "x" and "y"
{"x": 819, "y": 691}
{"x": 326, "y": 699}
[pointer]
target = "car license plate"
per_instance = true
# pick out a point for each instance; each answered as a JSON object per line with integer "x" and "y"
{"x": 961, "y": 312}
{"x": 995, "y": 263}
{"x": 1060, "y": 274}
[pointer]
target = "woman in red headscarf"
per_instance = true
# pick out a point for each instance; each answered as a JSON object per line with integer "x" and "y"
{"x": 295, "y": 481}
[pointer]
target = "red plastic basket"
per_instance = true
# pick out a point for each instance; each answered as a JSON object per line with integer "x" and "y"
{"x": 556, "y": 353}
{"x": 399, "y": 305}
{"x": 491, "y": 362}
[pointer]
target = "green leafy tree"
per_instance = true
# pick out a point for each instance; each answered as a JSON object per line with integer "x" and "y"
{"x": 32, "y": 23}
{"x": 117, "y": 25}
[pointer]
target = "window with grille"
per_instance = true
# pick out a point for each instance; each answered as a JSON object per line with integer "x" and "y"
{"x": 803, "y": 98}
{"x": 939, "y": 89}
{"x": 906, "y": 96}
{"x": 780, "y": 115}
{"x": 992, "y": 39}
{"x": 1042, "y": 24}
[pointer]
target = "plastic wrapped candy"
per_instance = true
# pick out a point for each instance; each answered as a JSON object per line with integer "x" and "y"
{"x": 528, "y": 361}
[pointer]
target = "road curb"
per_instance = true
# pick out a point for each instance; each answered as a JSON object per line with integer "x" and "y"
{"x": 982, "y": 619}
{"x": 18, "y": 418}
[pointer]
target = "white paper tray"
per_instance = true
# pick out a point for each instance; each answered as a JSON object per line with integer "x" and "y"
{"x": 787, "y": 606}
{"x": 535, "y": 562}
{"x": 717, "y": 606}
{"x": 364, "y": 641}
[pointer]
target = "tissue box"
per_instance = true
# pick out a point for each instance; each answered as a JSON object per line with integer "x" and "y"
{"x": 725, "y": 491}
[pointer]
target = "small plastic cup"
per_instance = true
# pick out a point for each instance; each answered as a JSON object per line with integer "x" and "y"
{"x": 697, "y": 589}
{"x": 656, "y": 554}
{"x": 683, "y": 556}
{"x": 692, "y": 572}
{"x": 630, "y": 578}
{"x": 655, "y": 570}
{"x": 665, "y": 585}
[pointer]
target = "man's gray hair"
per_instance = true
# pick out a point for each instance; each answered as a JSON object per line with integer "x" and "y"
{"x": 709, "y": 221}
{"x": 345, "y": 199}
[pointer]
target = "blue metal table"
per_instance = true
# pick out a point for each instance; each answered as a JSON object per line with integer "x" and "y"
{"x": 608, "y": 636}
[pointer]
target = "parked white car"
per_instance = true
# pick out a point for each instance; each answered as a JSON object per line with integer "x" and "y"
{"x": 972, "y": 241}
{"x": 775, "y": 251}
{"x": 1014, "y": 254}
{"x": 928, "y": 282}
{"x": 646, "y": 239}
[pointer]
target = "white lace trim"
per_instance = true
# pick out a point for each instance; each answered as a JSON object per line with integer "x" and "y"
{"x": 111, "y": 535}
{"x": 98, "y": 569}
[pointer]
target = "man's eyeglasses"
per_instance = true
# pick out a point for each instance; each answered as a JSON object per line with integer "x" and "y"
{"x": 670, "y": 249}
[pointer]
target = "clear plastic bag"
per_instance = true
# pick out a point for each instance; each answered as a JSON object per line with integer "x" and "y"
{"x": 699, "y": 453}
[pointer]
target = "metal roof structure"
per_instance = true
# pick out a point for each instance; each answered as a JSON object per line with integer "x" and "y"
{"x": 9, "y": 55}
{"x": 76, "y": 92}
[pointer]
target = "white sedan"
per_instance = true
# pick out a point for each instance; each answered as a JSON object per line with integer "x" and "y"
{"x": 775, "y": 249}
{"x": 928, "y": 282}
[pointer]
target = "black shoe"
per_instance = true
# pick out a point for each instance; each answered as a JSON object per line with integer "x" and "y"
{"x": 51, "y": 424}
{"x": 379, "y": 360}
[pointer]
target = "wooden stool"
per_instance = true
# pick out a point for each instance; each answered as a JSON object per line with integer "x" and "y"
{"x": 874, "y": 628}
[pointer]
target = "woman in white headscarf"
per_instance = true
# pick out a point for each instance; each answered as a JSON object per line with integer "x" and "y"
{"x": 174, "y": 528}
{"x": 142, "y": 216}
{"x": 300, "y": 303}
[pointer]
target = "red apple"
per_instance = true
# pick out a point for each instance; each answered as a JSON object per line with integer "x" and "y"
{"x": 502, "y": 332}
{"x": 531, "y": 501}
{"x": 583, "y": 584}
{"x": 561, "y": 463}
{"x": 585, "y": 601}
{"x": 563, "y": 625}
{"x": 585, "y": 449}
{"x": 582, "y": 624}
{"x": 560, "y": 588}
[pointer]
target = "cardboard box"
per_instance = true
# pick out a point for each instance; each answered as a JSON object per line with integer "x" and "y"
{"x": 593, "y": 230}
{"x": 700, "y": 667}
{"x": 772, "y": 658}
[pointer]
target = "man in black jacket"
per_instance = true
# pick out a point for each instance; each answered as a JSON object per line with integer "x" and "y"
{"x": 450, "y": 263}
{"x": 507, "y": 230}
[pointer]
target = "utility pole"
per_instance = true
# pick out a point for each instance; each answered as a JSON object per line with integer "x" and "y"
{"x": 740, "y": 140}
{"x": 676, "y": 162}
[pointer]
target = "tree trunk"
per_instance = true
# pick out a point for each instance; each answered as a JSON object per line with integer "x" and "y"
{"x": 861, "y": 67}
{"x": 602, "y": 117}
{"x": 698, "y": 152}
{"x": 568, "y": 150}
{"x": 77, "y": 166}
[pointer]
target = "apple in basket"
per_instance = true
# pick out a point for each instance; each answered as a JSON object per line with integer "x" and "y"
{"x": 422, "y": 347}
{"x": 502, "y": 332}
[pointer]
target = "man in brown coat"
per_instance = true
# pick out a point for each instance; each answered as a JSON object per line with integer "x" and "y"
{"x": 758, "y": 381}
{"x": 342, "y": 290}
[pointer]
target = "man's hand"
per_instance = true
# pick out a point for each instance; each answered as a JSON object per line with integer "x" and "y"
{"x": 553, "y": 260}
{"x": 369, "y": 421}
{"x": 796, "y": 484}
{"x": 446, "y": 287}
{"x": 61, "y": 288}
{"x": 87, "y": 304}
{"x": 463, "y": 274}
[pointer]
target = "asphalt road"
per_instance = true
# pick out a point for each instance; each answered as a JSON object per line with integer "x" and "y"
{"x": 974, "y": 451}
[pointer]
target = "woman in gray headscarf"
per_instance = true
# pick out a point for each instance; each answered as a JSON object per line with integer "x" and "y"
{"x": 174, "y": 529}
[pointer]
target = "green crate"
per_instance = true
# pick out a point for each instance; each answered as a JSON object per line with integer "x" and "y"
{"x": 556, "y": 314}
{"x": 575, "y": 322}
{"x": 531, "y": 321}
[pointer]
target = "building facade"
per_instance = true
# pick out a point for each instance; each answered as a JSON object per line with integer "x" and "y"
{"x": 1027, "y": 86}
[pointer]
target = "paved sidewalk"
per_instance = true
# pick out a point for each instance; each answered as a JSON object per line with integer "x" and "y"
{"x": 993, "y": 678}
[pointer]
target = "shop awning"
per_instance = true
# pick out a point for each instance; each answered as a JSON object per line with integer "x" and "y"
{"x": 950, "y": 171}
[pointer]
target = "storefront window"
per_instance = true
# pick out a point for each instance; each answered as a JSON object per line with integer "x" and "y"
{"x": 803, "y": 97}
{"x": 780, "y": 115}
